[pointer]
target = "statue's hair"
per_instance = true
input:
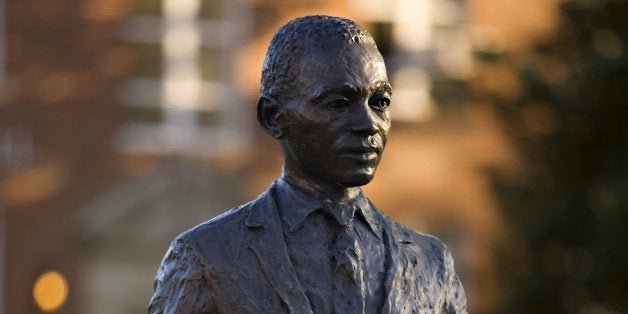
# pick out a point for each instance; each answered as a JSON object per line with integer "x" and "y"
{"x": 287, "y": 48}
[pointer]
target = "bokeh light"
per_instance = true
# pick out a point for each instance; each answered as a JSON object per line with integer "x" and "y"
{"x": 50, "y": 291}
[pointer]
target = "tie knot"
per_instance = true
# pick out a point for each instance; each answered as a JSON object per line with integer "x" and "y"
{"x": 342, "y": 213}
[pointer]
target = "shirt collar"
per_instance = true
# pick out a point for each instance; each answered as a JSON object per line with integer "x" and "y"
{"x": 296, "y": 205}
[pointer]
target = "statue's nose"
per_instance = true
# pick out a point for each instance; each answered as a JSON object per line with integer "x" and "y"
{"x": 365, "y": 120}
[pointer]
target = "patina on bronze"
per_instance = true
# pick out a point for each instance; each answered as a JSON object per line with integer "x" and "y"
{"x": 313, "y": 242}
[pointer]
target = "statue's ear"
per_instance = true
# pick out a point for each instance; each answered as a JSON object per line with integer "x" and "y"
{"x": 269, "y": 115}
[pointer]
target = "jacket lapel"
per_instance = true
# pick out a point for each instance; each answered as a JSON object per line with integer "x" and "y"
{"x": 269, "y": 247}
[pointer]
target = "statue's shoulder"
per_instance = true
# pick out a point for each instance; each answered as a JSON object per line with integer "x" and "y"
{"x": 225, "y": 225}
{"x": 407, "y": 237}
{"x": 427, "y": 243}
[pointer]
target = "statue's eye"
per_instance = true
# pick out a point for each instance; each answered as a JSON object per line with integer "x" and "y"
{"x": 380, "y": 103}
{"x": 338, "y": 104}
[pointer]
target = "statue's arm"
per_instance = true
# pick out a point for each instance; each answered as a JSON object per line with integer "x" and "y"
{"x": 456, "y": 300}
{"x": 180, "y": 284}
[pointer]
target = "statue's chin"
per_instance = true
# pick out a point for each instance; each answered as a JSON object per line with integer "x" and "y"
{"x": 358, "y": 179}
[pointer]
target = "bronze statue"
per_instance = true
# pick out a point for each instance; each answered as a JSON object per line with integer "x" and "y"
{"x": 313, "y": 242}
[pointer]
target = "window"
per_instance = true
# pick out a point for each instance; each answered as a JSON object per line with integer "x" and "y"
{"x": 180, "y": 78}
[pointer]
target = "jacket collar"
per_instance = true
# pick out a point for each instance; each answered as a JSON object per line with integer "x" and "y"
{"x": 296, "y": 205}
{"x": 265, "y": 225}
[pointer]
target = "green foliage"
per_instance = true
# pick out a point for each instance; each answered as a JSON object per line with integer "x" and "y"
{"x": 567, "y": 218}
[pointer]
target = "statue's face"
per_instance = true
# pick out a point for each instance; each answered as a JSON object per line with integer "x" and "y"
{"x": 337, "y": 129}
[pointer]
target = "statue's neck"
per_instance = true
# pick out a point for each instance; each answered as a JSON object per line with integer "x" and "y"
{"x": 321, "y": 190}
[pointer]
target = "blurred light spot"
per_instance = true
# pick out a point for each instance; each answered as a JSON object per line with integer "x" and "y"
{"x": 32, "y": 185}
{"x": 181, "y": 45}
{"x": 181, "y": 8}
{"x": 607, "y": 44}
{"x": 411, "y": 100}
{"x": 181, "y": 93}
{"x": 50, "y": 291}
{"x": 181, "y": 41}
{"x": 413, "y": 28}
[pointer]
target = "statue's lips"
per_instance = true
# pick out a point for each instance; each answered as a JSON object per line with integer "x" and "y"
{"x": 361, "y": 154}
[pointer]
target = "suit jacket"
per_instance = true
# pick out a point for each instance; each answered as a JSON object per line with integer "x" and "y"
{"x": 238, "y": 263}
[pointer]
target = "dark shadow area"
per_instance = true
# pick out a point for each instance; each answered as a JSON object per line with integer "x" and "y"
{"x": 564, "y": 248}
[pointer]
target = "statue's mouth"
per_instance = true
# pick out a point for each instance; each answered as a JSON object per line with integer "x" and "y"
{"x": 360, "y": 157}
{"x": 362, "y": 154}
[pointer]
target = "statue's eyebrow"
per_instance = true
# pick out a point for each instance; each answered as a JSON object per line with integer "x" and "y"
{"x": 381, "y": 86}
{"x": 331, "y": 89}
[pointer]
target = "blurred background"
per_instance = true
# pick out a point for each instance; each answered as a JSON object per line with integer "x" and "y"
{"x": 126, "y": 122}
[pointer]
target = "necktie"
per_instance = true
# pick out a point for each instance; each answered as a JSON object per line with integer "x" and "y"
{"x": 348, "y": 293}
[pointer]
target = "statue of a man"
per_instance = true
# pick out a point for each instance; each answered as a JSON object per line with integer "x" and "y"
{"x": 313, "y": 242}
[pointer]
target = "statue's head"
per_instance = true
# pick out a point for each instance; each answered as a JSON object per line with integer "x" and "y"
{"x": 325, "y": 96}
